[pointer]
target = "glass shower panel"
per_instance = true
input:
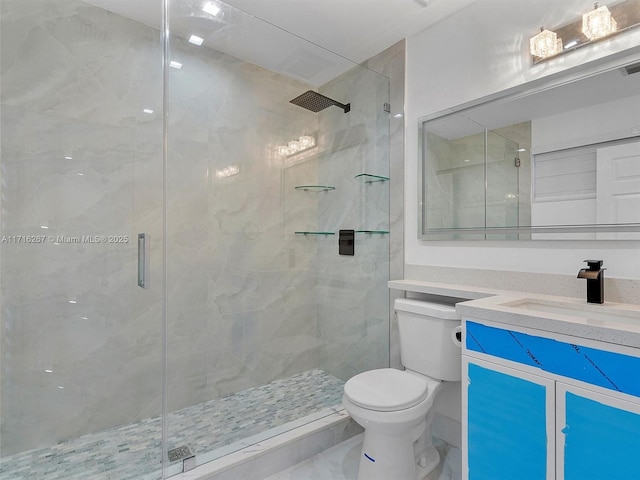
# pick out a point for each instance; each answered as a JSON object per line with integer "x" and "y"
{"x": 351, "y": 291}
{"x": 253, "y": 348}
{"x": 454, "y": 173}
{"x": 502, "y": 181}
{"x": 81, "y": 176}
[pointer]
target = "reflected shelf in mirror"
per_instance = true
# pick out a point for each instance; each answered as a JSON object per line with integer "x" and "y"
{"x": 314, "y": 233}
{"x": 315, "y": 188}
{"x": 368, "y": 178}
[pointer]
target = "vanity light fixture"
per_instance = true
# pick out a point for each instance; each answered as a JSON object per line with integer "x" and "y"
{"x": 307, "y": 141}
{"x": 545, "y": 44}
{"x": 294, "y": 146}
{"x": 228, "y": 171}
{"x": 598, "y": 23}
{"x": 283, "y": 150}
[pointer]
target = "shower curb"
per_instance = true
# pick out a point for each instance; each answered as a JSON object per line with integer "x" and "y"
{"x": 258, "y": 461}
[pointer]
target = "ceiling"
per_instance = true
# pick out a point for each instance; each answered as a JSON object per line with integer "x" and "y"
{"x": 354, "y": 29}
{"x": 309, "y": 40}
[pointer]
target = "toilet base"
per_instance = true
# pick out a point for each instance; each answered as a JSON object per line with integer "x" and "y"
{"x": 385, "y": 457}
{"x": 428, "y": 462}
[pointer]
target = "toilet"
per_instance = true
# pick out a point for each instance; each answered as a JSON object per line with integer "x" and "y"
{"x": 394, "y": 406}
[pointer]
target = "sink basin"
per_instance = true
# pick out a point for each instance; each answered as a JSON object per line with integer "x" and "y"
{"x": 588, "y": 313}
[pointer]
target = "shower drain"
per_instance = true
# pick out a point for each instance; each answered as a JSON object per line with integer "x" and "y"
{"x": 179, "y": 453}
{"x": 185, "y": 454}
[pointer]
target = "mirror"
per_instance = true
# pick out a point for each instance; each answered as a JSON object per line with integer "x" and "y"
{"x": 555, "y": 160}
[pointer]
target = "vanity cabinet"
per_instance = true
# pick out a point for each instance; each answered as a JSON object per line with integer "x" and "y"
{"x": 597, "y": 435}
{"x": 509, "y": 415}
{"x": 548, "y": 406}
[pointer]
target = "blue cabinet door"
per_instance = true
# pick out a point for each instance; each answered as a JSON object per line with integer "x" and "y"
{"x": 598, "y": 436}
{"x": 508, "y": 423}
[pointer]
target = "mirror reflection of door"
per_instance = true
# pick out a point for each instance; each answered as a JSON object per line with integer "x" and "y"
{"x": 618, "y": 188}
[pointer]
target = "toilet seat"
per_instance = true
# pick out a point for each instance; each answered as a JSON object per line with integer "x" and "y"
{"x": 386, "y": 390}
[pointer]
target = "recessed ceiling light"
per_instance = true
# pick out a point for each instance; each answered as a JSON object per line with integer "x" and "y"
{"x": 211, "y": 9}
{"x": 81, "y": 174}
{"x": 174, "y": 64}
{"x": 43, "y": 226}
{"x": 68, "y": 158}
{"x": 397, "y": 115}
{"x": 522, "y": 149}
{"x": 147, "y": 110}
{"x": 48, "y": 371}
{"x": 196, "y": 40}
{"x": 72, "y": 301}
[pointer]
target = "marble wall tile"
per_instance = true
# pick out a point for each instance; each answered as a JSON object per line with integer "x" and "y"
{"x": 78, "y": 157}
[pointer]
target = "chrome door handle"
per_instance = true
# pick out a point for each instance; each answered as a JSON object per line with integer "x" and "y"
{"x": 143, "y": 260}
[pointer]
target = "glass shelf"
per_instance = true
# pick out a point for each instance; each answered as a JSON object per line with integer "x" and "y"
{"x": 315, "y": 233}
{"x": 315, "y": 188}
{"x": 368, "y": 178}
{"x": 381, "y": 232}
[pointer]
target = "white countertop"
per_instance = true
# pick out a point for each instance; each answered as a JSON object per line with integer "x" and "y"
{"x": 444, "y": 289}
{"x": 576, "y": 318}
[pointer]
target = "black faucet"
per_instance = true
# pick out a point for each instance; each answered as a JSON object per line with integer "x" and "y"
{"x": 595, "y": 280}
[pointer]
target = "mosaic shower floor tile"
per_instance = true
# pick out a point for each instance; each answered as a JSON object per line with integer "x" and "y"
{"x": 213, "y": 428}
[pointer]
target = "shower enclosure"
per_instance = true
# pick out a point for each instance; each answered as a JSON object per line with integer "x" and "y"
{"x": 236, "y": 318}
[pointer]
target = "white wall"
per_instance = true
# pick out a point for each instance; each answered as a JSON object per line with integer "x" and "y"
{"x": 593, "y": 124}
{"x": 481, "y": 50}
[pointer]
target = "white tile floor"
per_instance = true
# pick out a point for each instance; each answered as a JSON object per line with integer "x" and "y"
{"x": 341, "y": 463}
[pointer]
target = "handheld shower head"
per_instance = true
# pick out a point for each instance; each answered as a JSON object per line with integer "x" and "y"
{"x": 316, "y": 102}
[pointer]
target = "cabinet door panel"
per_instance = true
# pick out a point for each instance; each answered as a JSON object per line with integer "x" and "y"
{"x": 509, "y": 420}
{"x": 598, "y": 436}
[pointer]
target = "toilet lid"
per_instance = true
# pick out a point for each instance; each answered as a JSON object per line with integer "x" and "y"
{"x": 386, "y": 389}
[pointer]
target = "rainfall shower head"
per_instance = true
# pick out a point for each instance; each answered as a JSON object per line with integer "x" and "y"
{"x": 315, "y": 102}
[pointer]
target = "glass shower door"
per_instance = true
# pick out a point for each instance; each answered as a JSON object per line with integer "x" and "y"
{"x": 81, "y": 176}
{"x": 261, "y": 331}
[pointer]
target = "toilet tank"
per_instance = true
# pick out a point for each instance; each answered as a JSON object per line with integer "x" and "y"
{"x": 426, "y": 346}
